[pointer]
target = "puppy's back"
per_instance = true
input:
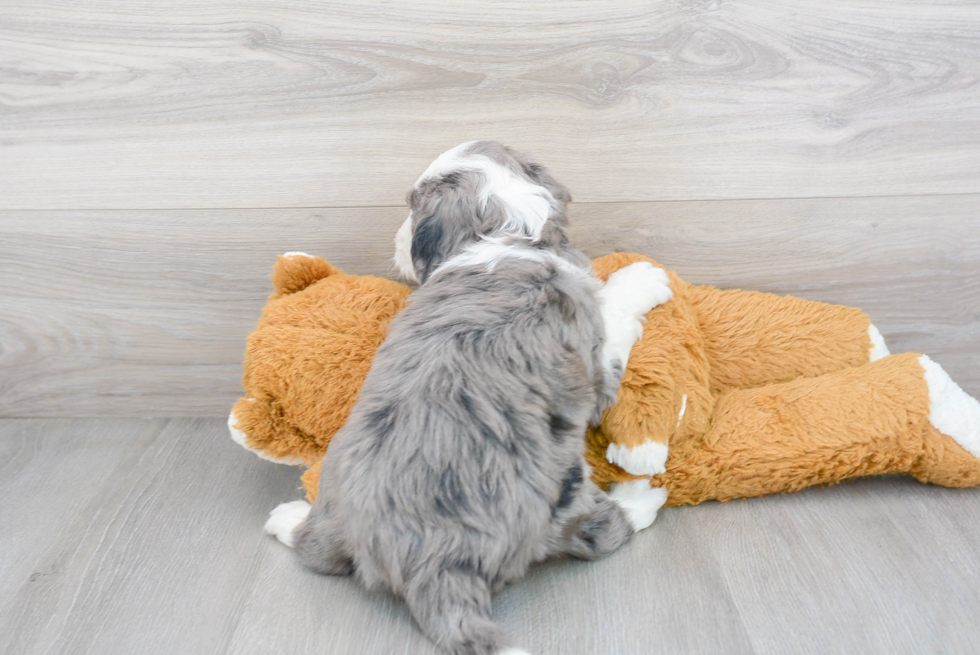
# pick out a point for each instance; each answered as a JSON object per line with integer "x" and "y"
{"x": 473, "y": 412}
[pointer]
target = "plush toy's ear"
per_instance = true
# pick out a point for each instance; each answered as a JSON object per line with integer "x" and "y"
{"x": 294, "y": 271}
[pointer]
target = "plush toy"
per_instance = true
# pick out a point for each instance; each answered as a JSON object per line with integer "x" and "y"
{"x": 728, "y": 394}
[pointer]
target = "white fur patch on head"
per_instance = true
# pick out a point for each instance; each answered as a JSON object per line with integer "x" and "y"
{"x": 526, "y": 204}
{"x": 649, "y": 458}
{"x": 445, "y": 163}
{"x": 639, "y": 500}
{"x": 952, "y": 411}
{"x": 284, "y": 520}
{"x": 239, "y": 437}
{"x": 626, "y": 298}
{"x": 403, "y": 251}
{"x": 296, "y": 253}
{"x": 879, "y": 349}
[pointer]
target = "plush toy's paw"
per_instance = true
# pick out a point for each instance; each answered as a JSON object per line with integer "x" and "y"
{"x": 879, "y": 349}
{"x": 649, "y": 458}
{"x": 639, "y": 500}
{"x": 627, "y": 297}
{"x": 284, "y": 520}
{"x": 952, "y": 411}
{"x": 239, "y": 437}
{"x": 638, "y": 288}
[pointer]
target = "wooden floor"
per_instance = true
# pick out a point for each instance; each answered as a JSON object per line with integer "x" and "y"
{"x": 144, "y": 536}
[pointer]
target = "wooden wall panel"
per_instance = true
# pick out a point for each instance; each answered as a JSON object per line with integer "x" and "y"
{"x": 289, "y": 103}
{"x": 145, "y": 313}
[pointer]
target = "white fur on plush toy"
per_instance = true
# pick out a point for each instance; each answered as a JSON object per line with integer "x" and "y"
{"x": 879, "y": 349}
{"x": 952, "y": 411}
{"x": 284, "y": 520}
{"x": 239, "y": 437}
{"x": 639, "y": 500}
{"x": 649, "y": 458}
{"x": 628, "y": 295}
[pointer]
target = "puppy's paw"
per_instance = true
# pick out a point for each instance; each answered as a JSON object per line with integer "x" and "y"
{"x": 284, "y": 520}
{"x": 638, "y": 288}
{"x": 639, "y": 500}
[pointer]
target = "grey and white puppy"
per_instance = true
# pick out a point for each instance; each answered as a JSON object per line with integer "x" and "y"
{"x": 462, "y": 460}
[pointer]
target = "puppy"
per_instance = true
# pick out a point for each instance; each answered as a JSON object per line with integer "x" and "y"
{"x": 462, "y": 460}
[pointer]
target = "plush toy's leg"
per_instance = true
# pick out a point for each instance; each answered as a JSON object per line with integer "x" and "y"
{"x": 897, "y": 415}
{"x": 753, "y": 338}
{"x": 311, "y": 480}
{"x": 626, "y": 298}
{"x": 255, "y": 426}
{"x": 952, "y": 437}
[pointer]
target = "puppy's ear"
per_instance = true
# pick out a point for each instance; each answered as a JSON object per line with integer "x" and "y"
{"x": 449, "y": 220}
{"x": 427, "y": 243}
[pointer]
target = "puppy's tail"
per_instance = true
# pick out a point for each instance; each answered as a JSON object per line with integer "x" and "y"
{"x": 453, "y": 608}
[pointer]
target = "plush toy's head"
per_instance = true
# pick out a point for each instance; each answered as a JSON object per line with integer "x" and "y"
{"x": 308, "y": 356}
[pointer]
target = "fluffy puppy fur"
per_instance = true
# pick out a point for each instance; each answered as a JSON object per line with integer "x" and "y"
{"x": 462, "y": 460}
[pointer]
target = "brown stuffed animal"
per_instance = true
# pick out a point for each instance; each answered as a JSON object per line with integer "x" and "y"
{"x": 728, "y": 394}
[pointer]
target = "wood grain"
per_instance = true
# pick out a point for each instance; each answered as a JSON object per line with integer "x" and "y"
{"x": 295, "y": 104}
{"x": 160, "y": 559}
{"x": 50, "y": 470}
{"x": 144, "y": 536}
{"x": 852, "y": 568}
{"x": 145, "y": 313}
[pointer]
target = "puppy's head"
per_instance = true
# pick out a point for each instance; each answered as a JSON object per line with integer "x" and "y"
{"x": 479, "y": 190}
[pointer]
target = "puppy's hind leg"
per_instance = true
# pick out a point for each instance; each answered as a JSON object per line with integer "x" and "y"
{"x": 453, "y": 608}
{"x": 320, "y": 546}
{"x": 594, "y": 527}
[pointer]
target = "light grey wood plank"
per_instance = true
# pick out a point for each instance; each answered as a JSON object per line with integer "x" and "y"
{"x": 146, "y": 313}
{"x": 637, "y": 602}
{"x": 661, "y": 593}
{"x": 50, "y": 470}
{"x": 165, "y": 554}
{"x": 161, "y": 558}
{"x": 851, "y": 568}
{"x": 292, "y": 104}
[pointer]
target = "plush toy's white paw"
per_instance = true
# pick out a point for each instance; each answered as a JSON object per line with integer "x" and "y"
{"x": 639, "y": 500}
{"x": 627, "y": 297}
{"x": 649, "y": 458}
{"x": 952, "y": 411}
{"x": 879, "y": 349}
{"x": 284, "y": 520}
{"x": 239, "y": 437}
{"x": 638, "y": 288}
{"x": 296, "y": 253}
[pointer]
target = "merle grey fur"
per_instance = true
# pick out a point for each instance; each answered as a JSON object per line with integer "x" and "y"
{"x": 462, "y": 460}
